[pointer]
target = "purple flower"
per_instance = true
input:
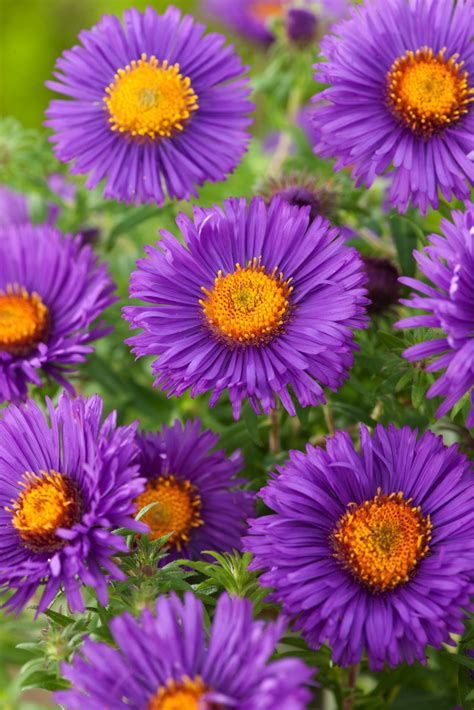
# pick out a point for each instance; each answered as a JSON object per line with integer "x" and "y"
{"x": 196, "y": 491}
{"x": 257, "y": 301}
{"x": 302, "y": 190}
{"x": 153, "y": 106}
{"x": 371, "y": 550}
{"x": 52, "y": 289}
{"x": 66, "y": 481}
{"x": 301, "y": 25}
{"x": 399, "y": 75}
{"x": 168, "y": 659}
{"x": 448, "y": 262}
{"x": 253, "y": 18}
{"x": 13, "y": 207}
{"x": 382, "y": 283}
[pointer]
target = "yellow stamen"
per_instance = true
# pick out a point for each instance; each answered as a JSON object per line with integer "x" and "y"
{"x": 382, "y": 540}
{"x": 24, "y": 321}
{"x": 49, "y": 501}
{"x": 150, "y": 98}
{"x": 247, "y": 306}
{"x": 178, "y": 509}
{"x": 183, "y": 695}
{"x": 427, "y": 92}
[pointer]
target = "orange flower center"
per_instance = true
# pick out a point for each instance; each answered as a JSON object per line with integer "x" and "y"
{"x": 149, "y": 98}
{"x": 49, "y": 501}
{"x": 263, "y": 10}
{"x": 428, "y": 92}
{"x": 24, "y": 321}
{"x": 382, "y": 540}
{"x": 177, "y": 509}
{"x": 247, "y": 306}
{"x": 183, "y": 695}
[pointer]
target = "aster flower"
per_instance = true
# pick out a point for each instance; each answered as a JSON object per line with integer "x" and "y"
{"x": 153, "y": 106}
{"x": 196, "y": 491}
{"x": 448, "y": 262}
{"x": 382, "y": 283}
{"x": 253, "y": 18}
{"x": 302, "y": 190}
{"x": 66, "y": 481}
{"x": 373, "y": 550}
{"x": 258, "y": 301}
{"x": 52, "y": 289}
{"x": 168, "y": 660}
{"x": 401, "y": 76}
{"x": 13, "y": 207}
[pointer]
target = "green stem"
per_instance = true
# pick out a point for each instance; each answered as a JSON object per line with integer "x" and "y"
{"x": 275, "y": 444}
{"x": 351, "y": 684}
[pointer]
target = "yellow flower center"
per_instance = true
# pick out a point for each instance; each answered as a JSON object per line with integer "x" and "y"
{"x": 178, "y": 509}
{"x": 24, "y": 321}
{"x": 265, "y": 9}
{"x": 183, "y": 695}
{"x": 49, "y": 501}
{"x": 382, "y": 540}
{"x": 247, "y": 306}
{"x": 150, "y": 98}
{"x": 428, "y": 92}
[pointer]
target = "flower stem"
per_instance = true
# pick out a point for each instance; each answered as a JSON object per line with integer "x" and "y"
{"x": 351, "y": 684}
{"x": 275, "y": 444}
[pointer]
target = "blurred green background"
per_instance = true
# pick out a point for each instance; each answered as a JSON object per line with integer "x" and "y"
{"x": 33, "y": 33}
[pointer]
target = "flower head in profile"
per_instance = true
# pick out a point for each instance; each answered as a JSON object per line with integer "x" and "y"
{"x": 402, "y": 100}
{"x": 302, "y": 190}
{"x": 153, "y": 106}
{"x": 197, "y": 495}
{"x": 67, "y": 480}
{"x": 168, "y": 660}
{"x": 257, "y": 302}
{"x": 52, "y": 289}
{"x": 448, "y": 262}
{"x": 254, "y": 18}
{"x": 371, "y": 550}
{"x": 382, "y": 283}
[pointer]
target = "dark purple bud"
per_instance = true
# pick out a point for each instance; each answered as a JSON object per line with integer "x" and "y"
{"x": 382, "y": 284}
{"x": 301, "y": 25}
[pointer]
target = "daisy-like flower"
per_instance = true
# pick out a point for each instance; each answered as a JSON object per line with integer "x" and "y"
{"x": 52, "y": 289}
{"x": 196, "y": 491}
{"x": 371, "y": 550}
{"x": 401, "y": 74}
{"x": 448, "y": 262}
{"x": 153, "y": 106}
{"x": 302, "y": 190}
{"x": 253, "y": 18}
{"x": 66, "y": 481}
{"x": 257, "y": 301}
{"x": 168, "y": 660}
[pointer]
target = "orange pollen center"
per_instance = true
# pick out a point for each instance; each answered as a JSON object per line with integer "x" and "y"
{"x": 177, "y": 509}
{"x": 382, "y": 540}
{"x": 247, "y": 306}
{"x": 24, "y": 321}
{"x": 428, "y": 92}
{"x": 183, "y": 695}
{"x": 150, "y": 98}
{"x": 265, "y": 9}
{"x": 49, "y": 501}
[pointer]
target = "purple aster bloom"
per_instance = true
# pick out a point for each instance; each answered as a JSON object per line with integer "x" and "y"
{"x": 302, "y": 190}
{"x": 301, "y": 25}
{"x": 382, "y": 283}
{"x": 371, "y": 550}
{"x": 168, "y": 659}
{"x": 153, "y": 106}
{"x": 399, "y": 74}
{"x": 448, "y": 262}
{"x": 66, "y": 481}
{"x": 196, "y": 491}
{"x": 253, "y": 18}
{"x": 257, "y": 301}
{"x": 52, "y": 289}
{"x": 13, "y": 207}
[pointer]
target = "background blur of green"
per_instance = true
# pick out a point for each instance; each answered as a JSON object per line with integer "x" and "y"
{"x": 33, "y": 33}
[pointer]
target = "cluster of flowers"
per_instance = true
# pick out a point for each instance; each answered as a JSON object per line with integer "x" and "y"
{"x": 370, "y": 550}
